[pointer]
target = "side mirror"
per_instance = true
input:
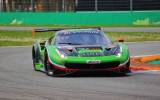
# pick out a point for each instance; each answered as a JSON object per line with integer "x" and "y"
{"x": 120, "y": 40}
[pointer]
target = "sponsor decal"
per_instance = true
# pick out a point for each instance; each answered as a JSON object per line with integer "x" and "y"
{"x": 93, "y": 61}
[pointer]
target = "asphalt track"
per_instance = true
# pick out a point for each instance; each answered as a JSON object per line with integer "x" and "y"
{"x": 18, "y": 80}
{"x": 107, "y": 29}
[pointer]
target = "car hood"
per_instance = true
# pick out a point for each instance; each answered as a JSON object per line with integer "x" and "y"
{"x": 89, "y": 50}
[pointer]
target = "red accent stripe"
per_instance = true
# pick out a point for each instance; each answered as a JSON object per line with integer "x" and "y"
{"x": 69, "y": 70}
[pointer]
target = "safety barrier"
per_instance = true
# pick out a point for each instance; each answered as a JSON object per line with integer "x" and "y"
{"x": 107, "y": 18}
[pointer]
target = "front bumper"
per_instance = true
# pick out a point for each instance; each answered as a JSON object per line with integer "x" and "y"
{"x": 117, "y": 68}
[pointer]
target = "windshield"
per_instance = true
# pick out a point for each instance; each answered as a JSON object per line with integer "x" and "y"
{"x": 82, "y": 38}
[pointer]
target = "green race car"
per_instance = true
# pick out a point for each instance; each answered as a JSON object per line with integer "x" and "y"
{"x": 79, "y": 50}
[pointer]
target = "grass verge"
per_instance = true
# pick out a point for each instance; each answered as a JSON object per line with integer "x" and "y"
{"x": 135, "y": 36}
{"x": 19, "y": 38}
{"x": 15, "y": 43}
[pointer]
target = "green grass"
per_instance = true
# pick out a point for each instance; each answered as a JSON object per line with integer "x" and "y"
{"x": 135, "y": 36}
{"x": 15, "y": 43}
{"x": 13, "y": 38}
{"x": 23, "y": 35}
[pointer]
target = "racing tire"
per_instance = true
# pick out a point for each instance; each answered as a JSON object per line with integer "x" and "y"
{"x": 127, "y": 69}
{"x": 50, "y": 71}
{"x": 35, "y": 60}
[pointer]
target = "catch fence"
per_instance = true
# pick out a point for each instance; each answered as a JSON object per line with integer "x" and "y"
{"x": 77, "y": 5}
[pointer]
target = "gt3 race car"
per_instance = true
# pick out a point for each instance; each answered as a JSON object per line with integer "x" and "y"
{"x": 79, "y": 50}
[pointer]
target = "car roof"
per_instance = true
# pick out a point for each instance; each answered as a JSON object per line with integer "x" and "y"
{"x": 91, "y": 30}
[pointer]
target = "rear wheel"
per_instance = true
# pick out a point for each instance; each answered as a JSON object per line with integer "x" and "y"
{"x": 35, "y": 59}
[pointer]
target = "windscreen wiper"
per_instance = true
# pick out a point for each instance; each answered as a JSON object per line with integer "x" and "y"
{"x": 69, "y": 43}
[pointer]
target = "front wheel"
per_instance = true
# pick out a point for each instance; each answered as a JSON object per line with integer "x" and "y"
{"x": 127, "y": 69}
{"x": 50, "y": 70}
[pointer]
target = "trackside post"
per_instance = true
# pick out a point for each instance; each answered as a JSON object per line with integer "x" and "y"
{"x": 33, "y": 33}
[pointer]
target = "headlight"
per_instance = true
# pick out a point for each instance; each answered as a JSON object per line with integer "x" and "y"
{"x": 61, "y": 53}
{"x": 62, "y": 56}
{"x": 66, "y": 51}
{"x": 117, "y": 51}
